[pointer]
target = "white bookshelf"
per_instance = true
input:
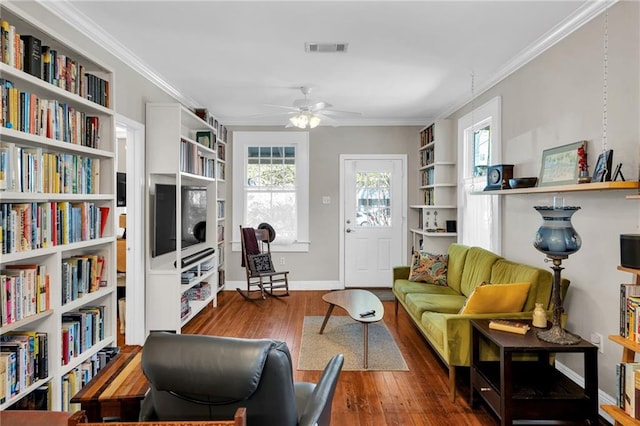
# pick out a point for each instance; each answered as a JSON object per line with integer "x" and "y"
{"x": 45, "y": 253}
{"x": 172, "y": 131}
{"x": 437, "y": 188}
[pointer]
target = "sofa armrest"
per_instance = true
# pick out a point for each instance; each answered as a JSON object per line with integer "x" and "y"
{"x": 401, "y": 273}
{"x": 458, "y": 334}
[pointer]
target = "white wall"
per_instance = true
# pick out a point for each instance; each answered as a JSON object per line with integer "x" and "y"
{"x": 321, "y": 263}
{"x": 557, "y": 99}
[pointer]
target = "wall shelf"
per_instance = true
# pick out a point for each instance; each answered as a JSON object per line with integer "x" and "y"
{"x": 595, "y": 186}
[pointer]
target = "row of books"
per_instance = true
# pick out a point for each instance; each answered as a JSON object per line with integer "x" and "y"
{"x": 429, "y": 197}
{"x": 200, "y": 291}
{"x": 26, "y": 112}
{"x": 220, "y": 213}
{"x": 26, "y": 53}
{"x": 220, "y": 232}
{"x": 38, "y": 399}
{"x": 192, "y": 161}
{"x": 185, "y": 309}
{"x": 427, "y": 156}
{"x": 76, "y": 379}
{"x": 80, "y": 331}
{"x": 426, "y": 136}
{"x": 24, "y": 291}
{"x": 81, "y": 275}
{"x": 36, "y": 170}
{"x": 31, "y": 226}
{"x": 427, "y": 177}
{"x": 628, "y": 388}
{"x": 630, "y": 311}
{"x": 222, "y": 148}
{"x": 23, "y": 360}
{"x": 221, "y": 278}
{"x": 221, "y": 130}
{"x": 220, "y": 171}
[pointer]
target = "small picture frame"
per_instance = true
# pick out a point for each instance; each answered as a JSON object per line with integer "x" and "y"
{"x": 559, "y": 165}
{"x": 602, "y": 172}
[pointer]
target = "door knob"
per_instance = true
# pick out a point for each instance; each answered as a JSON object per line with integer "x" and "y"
{"x": 349, "y": 230}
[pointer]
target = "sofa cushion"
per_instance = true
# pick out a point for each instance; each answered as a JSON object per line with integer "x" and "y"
{"x": 403, "y": 287}
{"x": 429, "y": 268}
{"x": 496, "y": 298}
{"x": 418, "y": 303}
{"x": 457, "y": 255}
{"x": 477, "y": 269}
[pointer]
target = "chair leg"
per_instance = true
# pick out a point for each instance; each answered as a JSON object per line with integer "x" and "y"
{"x": 452, "y": 382}
{"x": 397, "y": 303}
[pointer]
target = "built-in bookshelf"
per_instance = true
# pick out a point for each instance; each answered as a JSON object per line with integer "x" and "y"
{"x": 437, "y": 211}
{"x": 221, "y": 213}
{"x": 57, "y": 204}
{"x": 183, "y": 280}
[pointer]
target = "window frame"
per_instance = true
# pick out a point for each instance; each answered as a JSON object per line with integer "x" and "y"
{"x": 300, "y": 140}
{"x": 488, "y": 114}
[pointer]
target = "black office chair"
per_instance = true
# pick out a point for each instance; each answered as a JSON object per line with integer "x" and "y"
{"x": 197, "y": 377}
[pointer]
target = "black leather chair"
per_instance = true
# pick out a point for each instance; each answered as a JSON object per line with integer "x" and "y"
{"x": 198, "y": 377}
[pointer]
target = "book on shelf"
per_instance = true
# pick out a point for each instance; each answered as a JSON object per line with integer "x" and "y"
{"x": 510, "y": 326}
{"x": 32, "y": 55}
{"x": 626, "y": 291}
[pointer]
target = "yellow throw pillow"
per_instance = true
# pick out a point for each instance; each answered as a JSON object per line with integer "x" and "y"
{"x": 497, "y": 298}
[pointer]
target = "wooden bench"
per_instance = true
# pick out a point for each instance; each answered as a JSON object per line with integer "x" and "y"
{"x": 117, "y": 391}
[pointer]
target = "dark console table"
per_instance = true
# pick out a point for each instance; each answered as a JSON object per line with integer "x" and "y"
{"x": 530, "y": 387}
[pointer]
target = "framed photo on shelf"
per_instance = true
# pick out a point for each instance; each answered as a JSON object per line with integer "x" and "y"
{"x": 559, "y": 165}
{"x": 602, "y": 172}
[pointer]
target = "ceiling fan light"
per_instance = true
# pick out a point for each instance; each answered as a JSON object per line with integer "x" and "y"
{"x": 313, "y": 121}
{"x": 305, "y": 120}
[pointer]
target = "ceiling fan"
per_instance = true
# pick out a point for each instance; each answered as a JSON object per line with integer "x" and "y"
{"x": 307, "y": 113}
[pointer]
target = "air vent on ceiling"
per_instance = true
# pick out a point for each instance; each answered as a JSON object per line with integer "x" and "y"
{"x": 325, "y": 47}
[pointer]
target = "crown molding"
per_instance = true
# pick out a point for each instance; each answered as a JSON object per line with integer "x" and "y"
{"x": 581, "y": 16}
{"x": 64, "y": 10}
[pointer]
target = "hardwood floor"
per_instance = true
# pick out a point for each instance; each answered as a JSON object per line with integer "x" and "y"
{"x": 415, "y": 397}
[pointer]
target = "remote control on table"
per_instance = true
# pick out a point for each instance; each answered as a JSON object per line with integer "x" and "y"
{"x": 368, "y": 313}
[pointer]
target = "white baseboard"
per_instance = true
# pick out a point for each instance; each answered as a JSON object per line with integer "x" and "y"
{"x": 603, "y": 398}
{"x": 293, "y": 285}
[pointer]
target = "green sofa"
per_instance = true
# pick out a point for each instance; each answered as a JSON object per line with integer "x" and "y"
{"x": 434, "y": 309}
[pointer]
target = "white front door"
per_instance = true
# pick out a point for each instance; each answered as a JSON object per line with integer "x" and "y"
{"x": 374, "y": 210}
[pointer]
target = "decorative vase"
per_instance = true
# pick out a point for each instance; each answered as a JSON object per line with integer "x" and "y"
{"x": 556, "y": 237}
{"x": 583, "y": 176}
{"x": 539, "y": 316}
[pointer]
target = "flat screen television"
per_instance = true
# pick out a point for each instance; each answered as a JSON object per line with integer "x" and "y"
{"x": 194, "y": 215}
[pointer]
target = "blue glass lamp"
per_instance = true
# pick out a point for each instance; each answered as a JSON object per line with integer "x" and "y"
{"x": 557, "y": 238}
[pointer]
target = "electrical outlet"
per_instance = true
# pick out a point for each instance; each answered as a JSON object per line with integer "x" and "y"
{"x": 282, "y": 260}
{"x": 596, "y": 339}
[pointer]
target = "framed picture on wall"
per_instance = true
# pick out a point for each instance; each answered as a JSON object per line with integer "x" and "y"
{"x": 560, "y": 164}
{"x": 602, "y": 172}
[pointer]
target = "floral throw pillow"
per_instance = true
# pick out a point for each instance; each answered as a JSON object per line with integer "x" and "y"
{"x": 429, "y": 268}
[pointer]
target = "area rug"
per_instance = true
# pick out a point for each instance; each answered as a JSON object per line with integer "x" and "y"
{"x": 344, "y": 335}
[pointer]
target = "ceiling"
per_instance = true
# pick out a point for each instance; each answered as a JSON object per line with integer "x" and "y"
{"x": 406, "y": 63}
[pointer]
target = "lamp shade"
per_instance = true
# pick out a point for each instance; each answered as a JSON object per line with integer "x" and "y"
{"x": 556, "y": 237}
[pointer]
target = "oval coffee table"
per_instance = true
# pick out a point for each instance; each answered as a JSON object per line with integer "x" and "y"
{"x": 355, "y": 302}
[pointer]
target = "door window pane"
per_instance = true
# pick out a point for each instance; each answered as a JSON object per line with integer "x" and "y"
{"x": 373, "y": 199}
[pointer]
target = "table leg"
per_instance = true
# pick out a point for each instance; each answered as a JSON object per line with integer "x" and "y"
{"x": 326, "y": 317}
{"x": 365, "y": 332}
